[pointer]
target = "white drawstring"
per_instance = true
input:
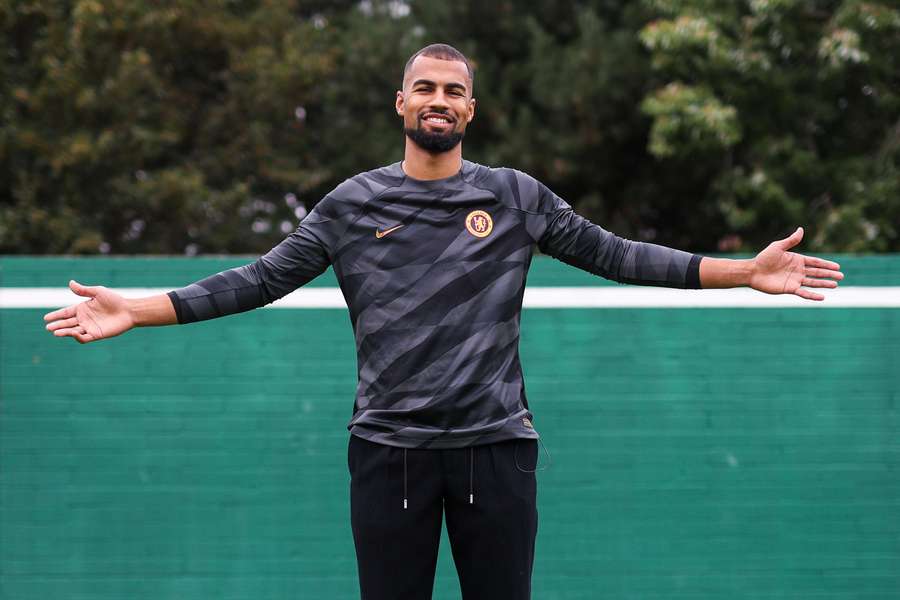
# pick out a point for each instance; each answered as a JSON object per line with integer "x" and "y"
{"x": 472, "y": 475}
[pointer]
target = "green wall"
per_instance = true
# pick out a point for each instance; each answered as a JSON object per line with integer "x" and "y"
{"x": 696, "y": 453}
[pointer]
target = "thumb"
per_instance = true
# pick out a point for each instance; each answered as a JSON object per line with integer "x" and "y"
{"x": 83, "y": 290}
{"x": 792, "y": 240}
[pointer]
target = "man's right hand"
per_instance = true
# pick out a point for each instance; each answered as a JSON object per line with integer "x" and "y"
{"x": 105, "y": 314}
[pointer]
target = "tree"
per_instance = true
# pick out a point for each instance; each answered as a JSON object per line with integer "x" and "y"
{"x": 214, "y": 125}
{"x": 139, "y": 127}
{"x": 790, "y": 108}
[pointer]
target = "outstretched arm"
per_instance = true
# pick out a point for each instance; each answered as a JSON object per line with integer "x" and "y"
{"x": 773, "y": 271}
{"x": 569, "y": 237}
{"x": 106, "y": 314}
{"x": 564, "y": 234}
{"x": 299, "y": 258}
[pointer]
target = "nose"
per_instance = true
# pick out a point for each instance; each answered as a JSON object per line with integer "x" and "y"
{"x": 439, "y": 100}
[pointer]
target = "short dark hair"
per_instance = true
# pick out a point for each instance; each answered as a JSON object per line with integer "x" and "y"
{"x": 443, "y": 52}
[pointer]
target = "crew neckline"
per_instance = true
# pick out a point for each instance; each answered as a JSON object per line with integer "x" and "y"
{"x": 458, "y": 176}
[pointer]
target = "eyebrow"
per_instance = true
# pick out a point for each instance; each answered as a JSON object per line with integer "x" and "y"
{"x": 454, "y": 85}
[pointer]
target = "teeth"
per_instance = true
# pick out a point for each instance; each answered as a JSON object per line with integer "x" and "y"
{"x": 437, "y": 120}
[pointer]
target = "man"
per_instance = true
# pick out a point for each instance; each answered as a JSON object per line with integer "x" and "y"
{"x": 431, "y": 255}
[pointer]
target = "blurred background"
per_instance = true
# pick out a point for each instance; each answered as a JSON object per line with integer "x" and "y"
{"x": 211, "y": 127}
{"x": 725, "y": 452}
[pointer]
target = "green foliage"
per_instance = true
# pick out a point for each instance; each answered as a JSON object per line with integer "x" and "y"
{"x": 140, "y": 127}
{"x": 214, "y": 125}
{"x": 690, "y": 121}
{"x": 811, "y": 92}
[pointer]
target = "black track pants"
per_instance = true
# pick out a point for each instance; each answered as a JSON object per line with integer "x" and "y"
{"x": 492, "y": 538}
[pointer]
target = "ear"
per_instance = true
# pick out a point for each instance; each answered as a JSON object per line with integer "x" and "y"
{"x": 471, "y": 111}
{"x": 398, "y": 104}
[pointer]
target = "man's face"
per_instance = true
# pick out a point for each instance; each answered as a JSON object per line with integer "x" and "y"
{"x": 436, "y": 103}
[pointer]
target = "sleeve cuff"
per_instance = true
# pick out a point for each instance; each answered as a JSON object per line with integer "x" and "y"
{"x": 176, "y": 303}
{"x": 692, "y": 277}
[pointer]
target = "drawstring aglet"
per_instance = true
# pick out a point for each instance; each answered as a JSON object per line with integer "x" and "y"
{"x": 471, "y": 498}
{"x": 404, "y": 479}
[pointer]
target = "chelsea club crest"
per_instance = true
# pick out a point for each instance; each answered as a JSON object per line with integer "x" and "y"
{"x": 479, "y": 223}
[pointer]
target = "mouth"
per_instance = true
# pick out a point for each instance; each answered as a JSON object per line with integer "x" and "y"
{"x": 439, "y": 120}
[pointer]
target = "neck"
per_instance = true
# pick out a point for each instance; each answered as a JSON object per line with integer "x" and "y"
{"x": 420, "y": 164}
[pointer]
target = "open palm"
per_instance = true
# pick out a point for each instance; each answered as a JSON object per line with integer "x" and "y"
{"x": 105, "y": 314}
{"x": 778, "y": 271}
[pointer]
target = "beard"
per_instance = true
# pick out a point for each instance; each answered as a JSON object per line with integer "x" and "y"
{"x": 434, "y": 142}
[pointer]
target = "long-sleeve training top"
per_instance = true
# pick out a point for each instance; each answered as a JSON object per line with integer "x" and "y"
{"x": 433, "y": 273}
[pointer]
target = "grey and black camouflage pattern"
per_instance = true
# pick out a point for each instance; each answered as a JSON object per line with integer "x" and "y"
{"x": 435, "y": 297}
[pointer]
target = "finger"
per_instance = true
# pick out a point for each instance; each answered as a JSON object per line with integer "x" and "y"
{"x": 810, "y": 272}
{"x": 69, "y": 331}
{"x": 62, "y": 313}
{"x": 814, "y": 261}
{"x": 83, "y": 338}
{"x": 792, "y": 240}
{"x": 75, "y": 332}
{"x": 804, "y": 293}
{"x": 62, "y": 324}
{"x": 84, "y": 290}
{"x": 822, "y": 283}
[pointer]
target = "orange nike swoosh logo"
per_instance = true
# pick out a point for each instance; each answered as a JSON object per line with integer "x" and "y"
{"x": 381, "y": 234}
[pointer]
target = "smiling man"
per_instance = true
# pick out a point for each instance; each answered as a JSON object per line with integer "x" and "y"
{"x": 432, "y": 254}
{"x": 436, "y": 104}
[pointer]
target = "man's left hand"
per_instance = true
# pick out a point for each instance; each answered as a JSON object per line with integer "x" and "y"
{"x": 777, "y": 271}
